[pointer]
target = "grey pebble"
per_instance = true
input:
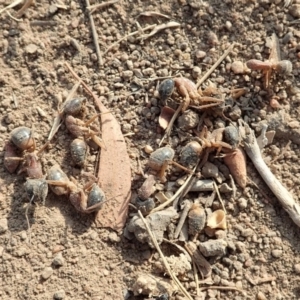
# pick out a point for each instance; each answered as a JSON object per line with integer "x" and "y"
{"x": 3, "y": 225}
{"x": 188, "y": 120}
{"x": 59, "y": 295}
{"x": 276, "y": 253}
{"x": 58, "y": 260}
{"x": 236, "y": 113}
{"x": 47, "y": 272}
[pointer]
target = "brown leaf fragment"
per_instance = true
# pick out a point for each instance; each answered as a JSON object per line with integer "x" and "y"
{"x": 165, "y": 116}
{"x": 200, "y": 261}
{"x": 236, "y": 163}
{"x": 114, "y": 174}
{"x": 114, "y": 169}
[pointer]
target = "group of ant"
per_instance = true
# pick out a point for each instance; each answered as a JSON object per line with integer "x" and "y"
{"x": 21, "y": 147}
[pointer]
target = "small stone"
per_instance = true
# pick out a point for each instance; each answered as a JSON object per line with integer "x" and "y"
{"x": 52, "y": 9}
{"x": 59, "y": 295}
{"x": 276, "y": 253}
{"x": 148, "y": 149}
{"x": 213, "y": 248}
{"x": 23, "y": 236}
{"x": 114, "y": 238}
{"x": 31, "y": 48}
{"x": 196, "y": 72}
{"x": 58, "y": 260}
{"x": 294, "y": 124}
{"x": 3, "y": 225}
{"x": 237, "y": 67}
{"x": 261, "y": 296}
{"x": 188, "y": 120}
{"x": 48, "y": 271}
{"x": 225, "y": 188}
{"x": 235, "y": 113}
{"x": 127, "y": 74}
{"x": 228, "y": 25}
{"x": 247, "y": 232}
{"x": 209, "y": 170}
{"x": 295, "y": 11}
{"x": 242, "y": 202}
{"x": 296, "y": 268}
{"x": 199, "y": 54}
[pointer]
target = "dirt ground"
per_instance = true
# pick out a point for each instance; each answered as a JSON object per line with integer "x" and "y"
{"x": 68, "y": 256}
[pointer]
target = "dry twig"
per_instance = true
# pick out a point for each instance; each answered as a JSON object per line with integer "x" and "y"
{"x": 95, "y": 34}
{"x": 126, "y": 36}
{"x": 151, "y": 14}
{"x": 93, "y": 8}
{"x": 166, "y": 264}
{"x": 26, "y": 4}
{"x": 158, "y": 28}
{"x": 177, "y": 194}
{"x": 215, "y": 65}
{"x": 12, "y": 5}
{"x": 282, "y": 194}
{"x": 171, "y": 123}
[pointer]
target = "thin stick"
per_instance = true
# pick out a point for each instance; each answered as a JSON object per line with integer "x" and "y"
{"x": 126, "y": 36}
{"x": 93, "y": 8}
{"x": 186, "y": 209}
{"x": 95, "y": 35}
{"x": 15, "y": 3}
{"x": 58, "y": 119}
{"x": 220, "y": 198}
{"x": 177, "y": 194}
{"x": 15, "y": 19}
{"x": 166, "y": 264}
{"x": 24, "y": 7}
{"x": 282, "y": 194}
{"x": 27, "y": 219}
{"x": 151, "y": 14}
{"x": 170, "y": 125}
{"x": 215, "y": 65}
{"x": 222, "y": 288}
{"x": 196, "y": 279}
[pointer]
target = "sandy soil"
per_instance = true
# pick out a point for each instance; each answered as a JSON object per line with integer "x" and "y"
{"x": 68, "y": 257}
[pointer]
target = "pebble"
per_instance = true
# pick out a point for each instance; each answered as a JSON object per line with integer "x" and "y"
{"x": 22, "y": 251}
{"x": 209, "y": 170}
{"x": 242, "y": 203}
{"x": 247, "y": 232}
{"x": 59, "y": 295}
{"x": 236, "y": 113}
{"x": 196, "y": 72}
{"x": 148, "y": 149}
{"x": 114, "y": 238}
{"x": 237, "y": 67}
{"x": 58, "y": 260}
{"x": 261, "y": 296}
{"x": 48, "y": 271}
{"x": 200, "y": 54}
{"x": 228, "y": 25}
{"x": 188, "y": 120}
{"x": 295, "y": 10}
{"x": 127, "y": 74}
{"x": 31, "y": 48}
{"x": 276, "y": 253}
{"x": 296, "y": 268}
{"x": 3, "y": 225}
